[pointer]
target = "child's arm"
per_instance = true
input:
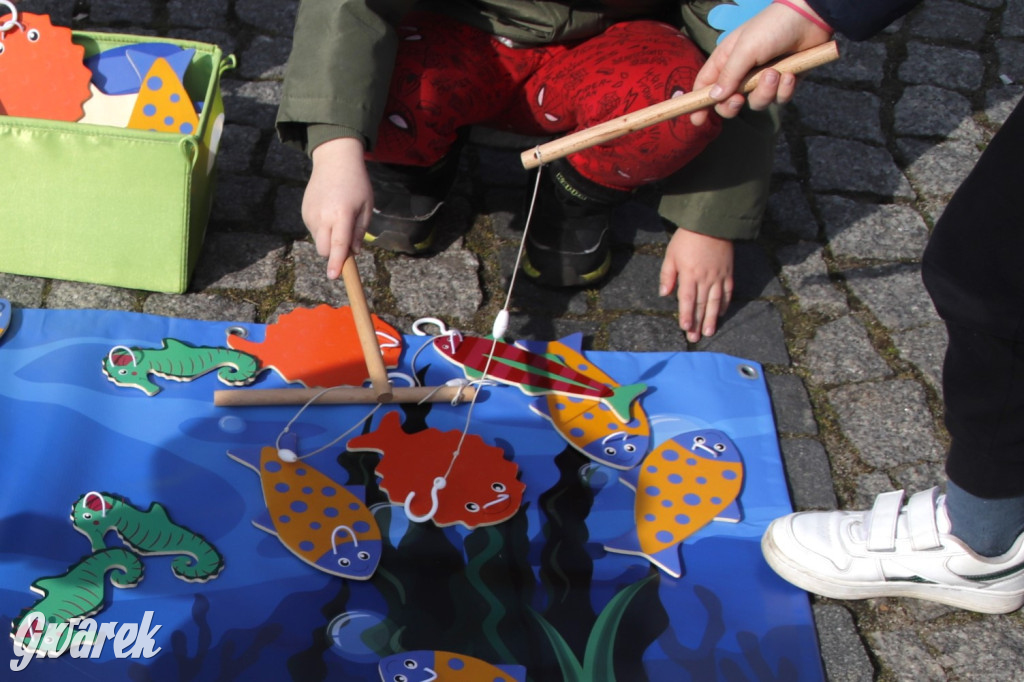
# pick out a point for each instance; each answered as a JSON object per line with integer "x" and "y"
{"x": 699, "y": 268}
{"x": 338, "y": 201}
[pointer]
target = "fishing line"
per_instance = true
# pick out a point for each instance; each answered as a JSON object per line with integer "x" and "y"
{"x": 501, "y": 319}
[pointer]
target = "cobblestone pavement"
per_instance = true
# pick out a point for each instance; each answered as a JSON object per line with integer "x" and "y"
{"x": 829, "y": 297}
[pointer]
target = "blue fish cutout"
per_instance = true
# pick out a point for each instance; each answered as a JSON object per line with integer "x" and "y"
{"x": 683, "y": 485}
{"x": 445, "y": 666}
{"x": 322, "y": 522}
{"x": 120, "y": 70}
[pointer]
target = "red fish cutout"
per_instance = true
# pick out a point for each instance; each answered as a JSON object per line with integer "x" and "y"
{"x": 319, "y": 347}
{"x": 42, "y": 74}
{"x": 481, "y": 488}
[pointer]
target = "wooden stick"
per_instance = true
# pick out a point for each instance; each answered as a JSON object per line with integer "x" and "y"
{"x": 663, "y": 111}
{"x": 367, "y": 334}
{"x": 349, "y": 395}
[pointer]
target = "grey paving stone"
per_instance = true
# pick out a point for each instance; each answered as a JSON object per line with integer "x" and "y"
{"x": 21, "y": 290}
{"x": 917, "y": 477}
{"x": 843, "y": 653}
{"x": 276, "y": 18}
{"x": 643, "y": 333}
{"x": 848, "y": 166}
{"x": 791, "y": 405}
{"x": 841, "y": 352}
{"x": 265, "y": 57}
{"x": 928, "y": 111}
{"x": 61, "y": 12}
{"x": 783, "y": 159}
{"x": 947, "y": 20}
{"x": 790, "y": 214}
{"x": 887, "y": 421}
{"x": 286, "y": 163}
{"x": 859, "y": 62}
{"x": 937, "y": 170}
{"x": 239, "y": 198}
{"x": 80, "y": 295}
{"x": 840, "y": 112}
{"x": 876, "y": 231}
{"x": 808, "y": 474}
{"x": 311, "y": 283}
{"x": 949, "y": 67}
{"x": 1001, "y": 659}
{"x": 630, "y": 285}
{"x": 252, "y": 103}
{"x": 1000, "y": 102}
{"x": 238, "y": 260}
{"x": 925, "y": 348}
{"x": 288, "y": 212}
{"x": 807, "y": 276}
{"x": 905, "y": 655}
{"x": 868, "y": 487}
{"x": 206, "y": 13}
{"x": 121, "y": 11}
{"x": 237, "y": 149}
{"x": 1010, "y": 52}
{"x": 444, "y": 286}
{"x": 1013, "y": 18}
{"x": 752, "y": 331}
{"x": 753, "y": 273}
{"x": 894, "y": 294}
{"x": 543, "y": 328}
{"x": 211, "y": 307}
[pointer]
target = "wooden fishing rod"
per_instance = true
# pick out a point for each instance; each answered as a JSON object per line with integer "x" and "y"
{"x": 663, "y": 111}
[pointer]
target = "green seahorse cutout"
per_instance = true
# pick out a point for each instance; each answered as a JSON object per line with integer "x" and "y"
{"x": 79, "y": 593}
{"x": 149, "y": 532}
{"x": 179, "y": 362}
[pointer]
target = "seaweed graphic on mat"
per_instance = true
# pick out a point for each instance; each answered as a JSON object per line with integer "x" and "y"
{"x": 599, "y": 658}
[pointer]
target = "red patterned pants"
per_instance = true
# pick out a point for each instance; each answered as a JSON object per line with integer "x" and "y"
{"x": 449, "y": 75}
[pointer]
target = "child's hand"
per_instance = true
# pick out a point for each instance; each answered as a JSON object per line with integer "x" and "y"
{"x": 699, "y": 267}
{"x": 773, "y": 32}
{"x": 338, "y": 201}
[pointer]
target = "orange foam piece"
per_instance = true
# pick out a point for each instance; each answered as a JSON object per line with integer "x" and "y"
{"x": 41, "y": 71}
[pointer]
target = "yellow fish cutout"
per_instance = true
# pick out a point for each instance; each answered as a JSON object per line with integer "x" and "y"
{"x": 163, "y": 105}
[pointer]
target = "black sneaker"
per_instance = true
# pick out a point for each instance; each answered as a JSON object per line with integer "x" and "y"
{"x": 568, "y": 241}
{"x": 405, "y": 201}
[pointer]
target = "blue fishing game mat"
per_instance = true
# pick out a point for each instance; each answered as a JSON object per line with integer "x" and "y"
{"x": 538, "y": 590}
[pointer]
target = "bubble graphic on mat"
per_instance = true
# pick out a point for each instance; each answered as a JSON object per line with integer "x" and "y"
{"x": 231, "y": 424}
{"x": 351, "y": 638}
{"x": 595, "y": 476}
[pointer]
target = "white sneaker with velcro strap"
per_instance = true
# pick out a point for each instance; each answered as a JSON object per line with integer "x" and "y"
{"x": 893, "y": 551}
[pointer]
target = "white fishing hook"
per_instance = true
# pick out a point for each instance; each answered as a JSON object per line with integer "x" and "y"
{"x": 110, "y": 355}
{"x": 103, "y": 503}
{"x": 13, "y": 21}
{"x": 439, "y": 483}
{"x": 334, "y": 535}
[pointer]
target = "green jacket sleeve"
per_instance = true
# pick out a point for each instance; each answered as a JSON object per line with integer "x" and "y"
{"x": 339, "y": 70}
{"x": 723, "y": 192}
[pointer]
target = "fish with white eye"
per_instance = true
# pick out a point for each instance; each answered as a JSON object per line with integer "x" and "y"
{"x": 445, "y": 666}
{"x": 682, "y": 485}
{"x": 320, "y": 521}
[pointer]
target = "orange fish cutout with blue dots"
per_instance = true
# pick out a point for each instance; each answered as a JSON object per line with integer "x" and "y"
{"x": 320, "y": 521}
{"x": 590, "y": 426}
{"x": 445, "y": 666}
{"x": 163, "y": 105}
{"x": 684, "y": 484}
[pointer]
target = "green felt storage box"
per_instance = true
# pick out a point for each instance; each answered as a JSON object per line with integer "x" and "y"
{"x": 109, "y": 205}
